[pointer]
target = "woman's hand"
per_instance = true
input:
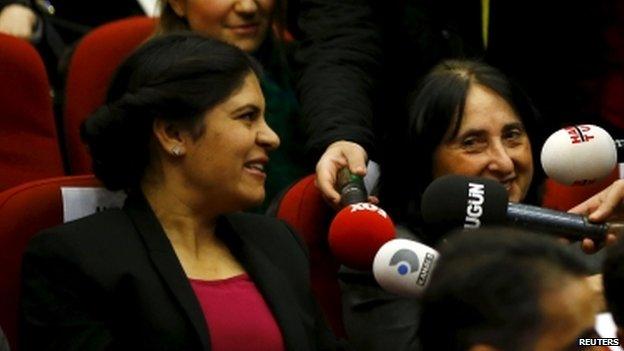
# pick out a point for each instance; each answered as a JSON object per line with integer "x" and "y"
{"x": 606, "y": 205}
{"x": 338, "y": 155}
{"x": 595, "y": 284}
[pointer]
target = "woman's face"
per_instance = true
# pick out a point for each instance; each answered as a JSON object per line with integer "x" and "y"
{"x": 227, "y": 162}
{"x": 491, "y": 143}
{"x": 243, "y": 23}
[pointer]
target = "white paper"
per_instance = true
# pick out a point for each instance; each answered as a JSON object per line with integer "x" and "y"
{"x": 372, "y": 176}
{"x": 606, "y": 328}
{"x": 79, "y": 202}
{"x": 150, "y": 7}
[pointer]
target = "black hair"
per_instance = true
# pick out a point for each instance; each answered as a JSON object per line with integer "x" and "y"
{"x": 613, "y": 281}
{"x": 487, "y": 286}
{"x": 175, "y": 77}
{"x": 434, "y": 106}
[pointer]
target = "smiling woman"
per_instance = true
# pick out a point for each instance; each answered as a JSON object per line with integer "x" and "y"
{"x": 466, "y": 118}
{"x": 183, "y": 133}
{"x": 256, "y": 27}
{"x": 244, "y": 23}
{"x": 235, "y": 140}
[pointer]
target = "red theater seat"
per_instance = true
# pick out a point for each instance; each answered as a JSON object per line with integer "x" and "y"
{"x": 564, "y": 197}
{"x": 29, "y": 146}
{"x": 303, "y": 207}
{"x": 91, "y": 68}
{"x": 24, "y": 211}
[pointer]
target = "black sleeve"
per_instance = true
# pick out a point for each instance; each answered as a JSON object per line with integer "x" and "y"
{"x": 4, "y": 3}
{"x": 59, "y": 303}
{"x": 340, "y": 58}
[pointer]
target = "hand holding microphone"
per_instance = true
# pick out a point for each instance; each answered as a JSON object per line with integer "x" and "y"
{"x": 360, "y": 228}
{"x": 579, "y": 155}
{"x": 362, "y": 236}
{"x": 454, "y": 201}
{"x": 607, "y": 204}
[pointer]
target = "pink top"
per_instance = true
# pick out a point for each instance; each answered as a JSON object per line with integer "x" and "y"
{"x": 237, "y": 316}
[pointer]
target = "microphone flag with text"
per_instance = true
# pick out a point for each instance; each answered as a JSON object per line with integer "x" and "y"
{"x": 358, "y": 230}
{"x": 454, "y": 201}
{"x": 579, "y": 154}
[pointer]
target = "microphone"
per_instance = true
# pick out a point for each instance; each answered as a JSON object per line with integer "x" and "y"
{"x": 454, "y": 201}
{"x": 359, "y": 229}
{"x": 352, "y": 188}
{"x": 579, "y": 155}
{"x": 403, "y": 267}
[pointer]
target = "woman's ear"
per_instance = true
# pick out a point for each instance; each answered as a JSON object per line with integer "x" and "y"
{"x": 178, "y": 6}
{"x": 169, "y": 137}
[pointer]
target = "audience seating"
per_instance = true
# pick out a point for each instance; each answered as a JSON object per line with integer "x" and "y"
{"x": 29, "y": 145}
{"x": 91, "y": 68}
{"x": 303, "y": 207}
{"x": 24, "y": 211}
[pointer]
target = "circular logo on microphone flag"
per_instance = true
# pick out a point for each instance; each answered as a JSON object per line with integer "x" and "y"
{"x": 407, "y": 261}
{"x": 403, "y": 267}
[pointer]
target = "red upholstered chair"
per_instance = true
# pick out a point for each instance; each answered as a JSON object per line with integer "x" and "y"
{"x": 303, "y": 207}
{"x": 29, "y": 146}
{"x": 564, "y": 197}
{"x": 91, "y": 68}
{"x": 24, "y": 211}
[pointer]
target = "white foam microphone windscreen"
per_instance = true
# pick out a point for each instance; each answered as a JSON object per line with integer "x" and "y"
{"x": 579, "y": 155}
{"x": 404, "y": 267}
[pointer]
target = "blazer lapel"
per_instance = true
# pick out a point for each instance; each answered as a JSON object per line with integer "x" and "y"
{"x": 166, "y": 262}
{"x": 272, "y": 285}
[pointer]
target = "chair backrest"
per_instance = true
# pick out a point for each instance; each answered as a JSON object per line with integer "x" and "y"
{"x": 563, "y": 197}
{"x": 303, "y": 207}
{"x": 29, "y": 145}
{"x": 93, "y": 63}
{"x": 24, "y": 211}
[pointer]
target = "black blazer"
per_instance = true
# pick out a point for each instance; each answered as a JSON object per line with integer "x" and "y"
{"x": 112, "y": 281}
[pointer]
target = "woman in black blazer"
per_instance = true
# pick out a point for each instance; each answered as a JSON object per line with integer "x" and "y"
{"x": 183, "y": 132}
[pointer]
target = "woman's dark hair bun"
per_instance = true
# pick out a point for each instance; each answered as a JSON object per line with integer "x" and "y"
{"x": 118, "y": 152}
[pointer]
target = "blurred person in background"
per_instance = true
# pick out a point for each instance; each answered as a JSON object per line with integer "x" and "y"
{"x": 55, "y": 26}
{"x": 502, "y": 289}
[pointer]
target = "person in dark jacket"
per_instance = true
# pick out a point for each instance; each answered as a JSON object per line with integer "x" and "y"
{"x": 178, "y": 268}
{"x": 360, "y": 58}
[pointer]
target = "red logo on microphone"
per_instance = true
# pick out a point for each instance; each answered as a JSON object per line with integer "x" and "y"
{"x": 579, "y": 134}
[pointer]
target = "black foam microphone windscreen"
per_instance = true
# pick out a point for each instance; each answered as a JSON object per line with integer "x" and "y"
{"x": 454, "y": 201}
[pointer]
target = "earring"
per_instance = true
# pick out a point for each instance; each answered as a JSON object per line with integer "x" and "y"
{"x": 176, "y": 150}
